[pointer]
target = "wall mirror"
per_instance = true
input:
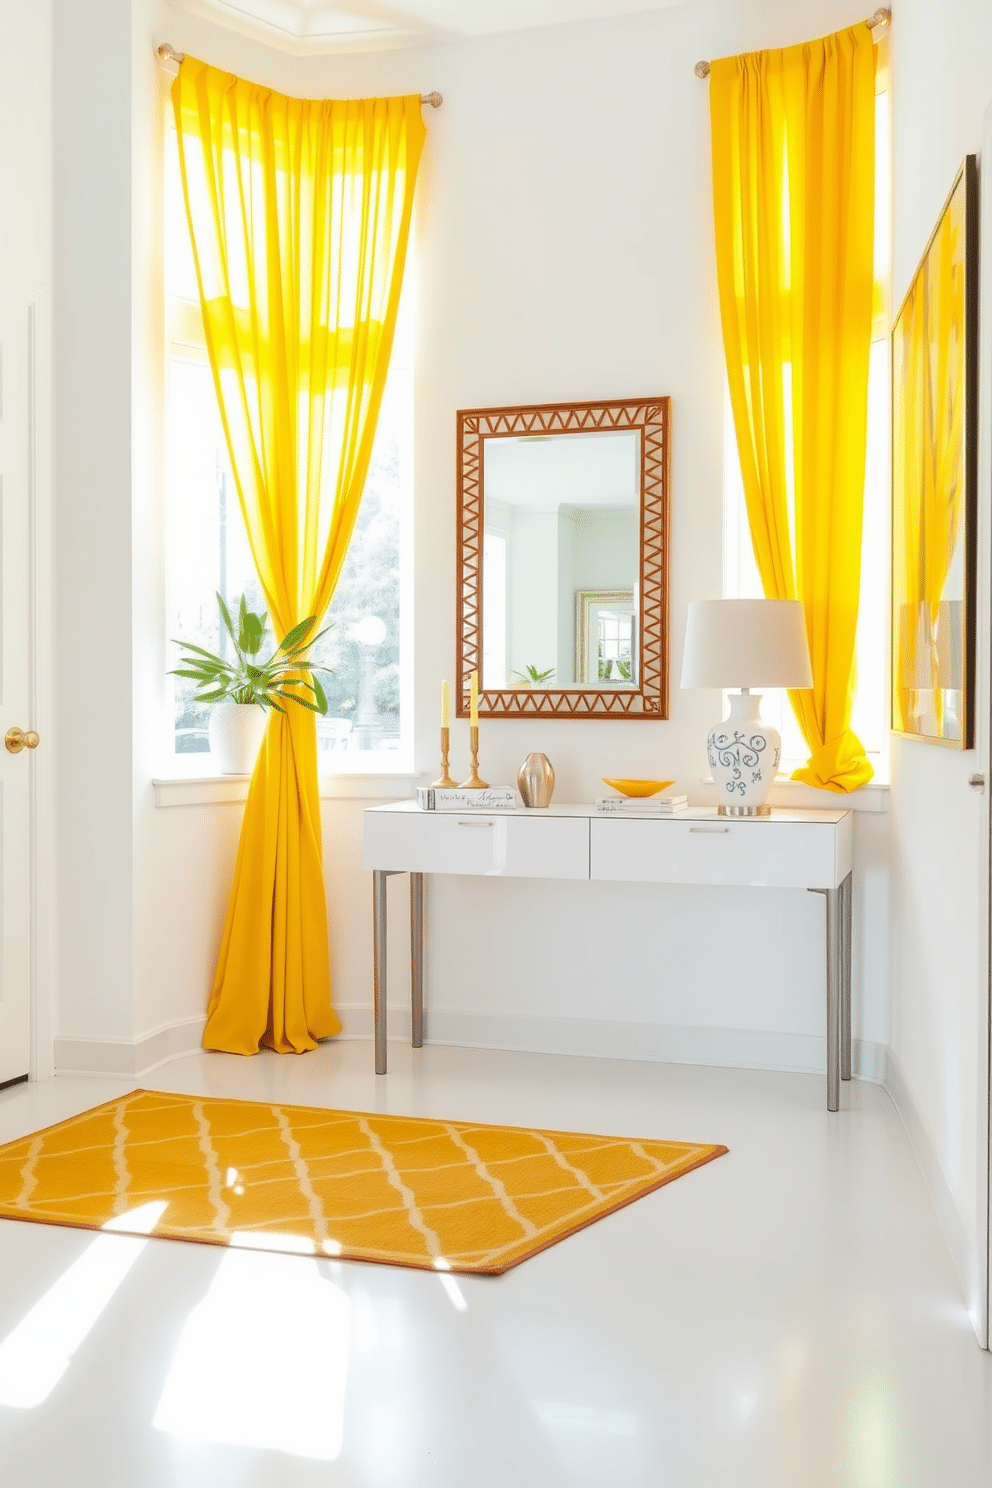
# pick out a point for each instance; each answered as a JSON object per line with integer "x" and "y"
{"x": 563, "y": 559}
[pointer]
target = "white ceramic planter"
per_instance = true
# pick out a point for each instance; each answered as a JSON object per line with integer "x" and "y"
{"x": 235, "y": 732}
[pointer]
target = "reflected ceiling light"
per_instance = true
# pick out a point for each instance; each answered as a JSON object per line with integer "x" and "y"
{"x": 746, "y": 1401}
{"x": 454, "y": 1292}
{"x": 568, "y": 1417}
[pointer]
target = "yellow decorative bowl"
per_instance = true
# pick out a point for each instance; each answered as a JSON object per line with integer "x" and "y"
{"x": 637, "y": 787}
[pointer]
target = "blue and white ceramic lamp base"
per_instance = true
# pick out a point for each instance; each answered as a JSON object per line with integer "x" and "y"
{"x": 743, "y": 755}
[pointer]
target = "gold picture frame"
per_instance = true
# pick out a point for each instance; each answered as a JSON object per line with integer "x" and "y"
{"x": 588, "y": 604}
{"x": 934, "y": 480}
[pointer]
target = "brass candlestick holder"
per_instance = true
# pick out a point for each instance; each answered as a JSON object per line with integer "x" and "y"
{"x": 445, "y": 782}
{"x": 474, "y": 781}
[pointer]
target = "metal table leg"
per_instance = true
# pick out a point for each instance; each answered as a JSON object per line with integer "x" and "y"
{"x": 379, "y": 916}
{"x": 845, "y": 972}
{"x": 379, "y": 877}
{"x": 417, "y": 960}
{"x": 838, "y": 937}
{"x": 834, "y": 997}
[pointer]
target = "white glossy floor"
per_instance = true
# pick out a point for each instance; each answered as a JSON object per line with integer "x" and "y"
{"x": 785, "y": 1317}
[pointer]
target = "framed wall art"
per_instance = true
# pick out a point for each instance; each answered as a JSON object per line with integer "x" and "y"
{"x": 934, "y": 480}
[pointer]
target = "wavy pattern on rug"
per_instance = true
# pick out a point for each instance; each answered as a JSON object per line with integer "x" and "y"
{"x": 402, "y": 1190}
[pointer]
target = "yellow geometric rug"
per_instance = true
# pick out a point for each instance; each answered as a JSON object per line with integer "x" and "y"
{"x": 403, "y": 1190}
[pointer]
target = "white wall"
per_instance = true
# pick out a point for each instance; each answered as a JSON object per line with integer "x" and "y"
{"x": 606, "y": 549}
{"x": 563, "y": 250}
{"x": 532, "y": 601}
{"x": 942, "y": 83}
{"x": 565, "y": 668}
{"x": 93, "y": 417}
{"x": 597, "y": 549}
{"x": 26, "y": 139}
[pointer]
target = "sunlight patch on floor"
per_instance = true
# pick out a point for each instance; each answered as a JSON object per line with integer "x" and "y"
{"x": 263, "y": 1360}
{"x": 35, "y": 1356}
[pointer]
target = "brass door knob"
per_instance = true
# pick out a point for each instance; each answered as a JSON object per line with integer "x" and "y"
{"x": 17, "y": 739}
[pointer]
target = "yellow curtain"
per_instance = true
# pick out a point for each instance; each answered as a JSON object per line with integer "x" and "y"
{"x": 299, "y": 215}
{"x": 793, "y": 144}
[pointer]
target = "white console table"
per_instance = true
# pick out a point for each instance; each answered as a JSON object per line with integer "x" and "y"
{"x": 810, "y": 850}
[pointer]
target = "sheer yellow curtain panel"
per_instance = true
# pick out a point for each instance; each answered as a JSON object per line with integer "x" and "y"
{"x": 793, "y": 147}
{"x": 299, "y": 216}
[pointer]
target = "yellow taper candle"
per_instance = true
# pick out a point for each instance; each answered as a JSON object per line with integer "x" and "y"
{"x": 473, "y": 699}
{"x": 444, "y": 704}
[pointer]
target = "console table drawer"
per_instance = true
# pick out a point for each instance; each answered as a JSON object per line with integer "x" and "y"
{"x": 719, "y": 851}
{"x": 509, "y": 846}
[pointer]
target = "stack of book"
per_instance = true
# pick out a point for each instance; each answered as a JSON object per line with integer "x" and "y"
{"x": 642, "y": 805}
{"x": 492, "y": 798}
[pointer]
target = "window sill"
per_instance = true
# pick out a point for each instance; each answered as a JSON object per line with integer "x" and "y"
{"x": 786, "y": 793}
{"x": 210, "y": 790}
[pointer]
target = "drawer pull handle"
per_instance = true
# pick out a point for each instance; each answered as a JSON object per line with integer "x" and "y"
{"x": 710, "y": 831}
{"x": 475, "y": 824}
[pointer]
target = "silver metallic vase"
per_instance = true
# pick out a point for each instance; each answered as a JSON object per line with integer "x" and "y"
{"x": 536, "y": 780}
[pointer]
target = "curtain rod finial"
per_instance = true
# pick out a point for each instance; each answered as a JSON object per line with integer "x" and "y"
{"x": 169, "y": 58}
{"x": 878, "y": 23}
{"x": 702, "y": 69}
{"x": 434, "y": 99}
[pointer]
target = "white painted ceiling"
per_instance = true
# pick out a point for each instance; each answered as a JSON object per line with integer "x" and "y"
{"x": 543, "y": 472}
{"x": 306, "y": 27}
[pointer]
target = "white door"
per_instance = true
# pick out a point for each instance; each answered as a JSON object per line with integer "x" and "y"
{"x": 18, "y": 466}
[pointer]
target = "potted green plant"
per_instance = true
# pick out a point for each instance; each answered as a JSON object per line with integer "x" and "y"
{"x": 531, "y": 677}
{"x": 245, "y": 687}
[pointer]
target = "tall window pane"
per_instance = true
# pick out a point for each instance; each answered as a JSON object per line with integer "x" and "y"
{"x": 368, "y": 647}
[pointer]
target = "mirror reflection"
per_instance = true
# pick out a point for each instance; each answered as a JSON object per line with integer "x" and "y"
{"x": 561, "y": 560}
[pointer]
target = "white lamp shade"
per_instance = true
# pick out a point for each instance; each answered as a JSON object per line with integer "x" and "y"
{"x": 746, "y": 643}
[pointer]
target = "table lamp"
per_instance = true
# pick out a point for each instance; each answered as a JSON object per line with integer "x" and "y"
{"x": 745, "y": 643}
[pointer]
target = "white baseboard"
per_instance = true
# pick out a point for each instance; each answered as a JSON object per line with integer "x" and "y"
{"x": 131, "y": 1057}
{"x": 960, "y": 1244}
{"x": 734, "y": 1048}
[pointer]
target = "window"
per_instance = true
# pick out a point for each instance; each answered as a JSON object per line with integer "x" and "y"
{"x": 369, "y": 721}
{"x": 741, "y": 581}
{"x": 615, "y": 644}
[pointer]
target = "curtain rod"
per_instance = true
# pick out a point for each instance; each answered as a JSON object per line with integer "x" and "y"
{"x": 878, "y": 23}
{"x": 170, "y": 60}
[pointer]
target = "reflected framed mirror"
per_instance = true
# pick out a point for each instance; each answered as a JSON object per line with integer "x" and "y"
{"x": 563, "y": 559}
